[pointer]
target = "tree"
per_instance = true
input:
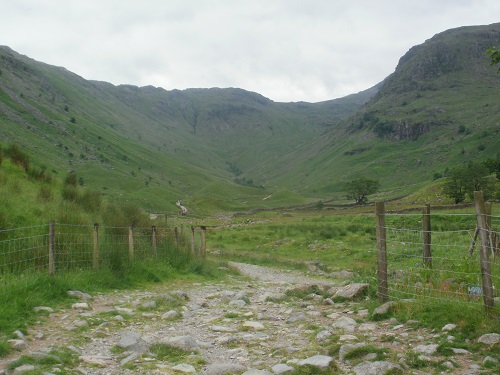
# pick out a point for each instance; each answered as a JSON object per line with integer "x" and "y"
{"x": 464, "y": 181}
{"x": 360, "y": 189}
{"x": 493, "y": 165}
{"x": 454, "y": 186}
{"x": 494, "y": 53}
{"x": 477, "y": 177}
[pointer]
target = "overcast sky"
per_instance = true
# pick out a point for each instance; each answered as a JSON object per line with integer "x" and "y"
{"x": 286, "y": 50}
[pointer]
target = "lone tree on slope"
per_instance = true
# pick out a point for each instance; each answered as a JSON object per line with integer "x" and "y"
{"x": 360, "y": 189}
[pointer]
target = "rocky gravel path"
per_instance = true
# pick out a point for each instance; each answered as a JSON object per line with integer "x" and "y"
{"x": 269, "y": 322}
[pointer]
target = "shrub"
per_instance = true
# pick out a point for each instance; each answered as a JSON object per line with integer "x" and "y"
{"x": 70, "y": 179}
{"x": 90, "y": 201}
{"x": 18, "y": 157}
{"x": 44, "y": 194}
{"x": 39, "y": 174}
{"x": 69, "y": 193}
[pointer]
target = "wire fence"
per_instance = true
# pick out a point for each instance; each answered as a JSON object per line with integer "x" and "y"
{"x": 56, "y": 248}
{"x": 439, "y": 256}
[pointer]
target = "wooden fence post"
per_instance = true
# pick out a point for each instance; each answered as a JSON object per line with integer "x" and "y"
{"x": 203, "y": 246}
{"x": 131, "y": 243}
{"x": 153, "y": 240}
{"x": 95, "y": 254}
{"x": 383, "y": 294}
{"x": 176, "y": 236}
{"x": 192, "y": 241}
{"x": 52, "y": 247}
{"x": 485, "y": 251}
{"x": 426, "y": 234}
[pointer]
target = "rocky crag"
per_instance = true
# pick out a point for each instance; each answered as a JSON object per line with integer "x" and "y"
{"x": 268, "y": 322}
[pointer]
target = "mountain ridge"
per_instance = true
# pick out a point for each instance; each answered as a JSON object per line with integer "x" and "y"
{"x": 207, "y": 144}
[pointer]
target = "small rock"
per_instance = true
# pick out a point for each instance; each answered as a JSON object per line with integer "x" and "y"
{"x": 281, "y": 368}
{"x": 253, "y": 371}
{"x": 323, "y": 335}
{"x": 375, "y": 368}
{"x": 489, "y": 338}
{"x": 237, "y": 303}
{"x": 348, "y": 338}
{"x": 133, "y": 342}
{"x": 172, "y": 314}
{"x": 149, "y": 305}
{"x": 225, "y": 340}
{"x": 448, "y": 365}
{"x": 320, "y": 361}
{"x": 44, "y": 308}
{"x": 79, "y": 294}
{"x": 97, "y": 360}
{"x": 24, "y": 368}
{"x": 130, "y": 358}
{"x": 345, "y": 323}
{"x": 124, "y": 310}
{"x": 352, "y": 291}
{"x": 427, "y": 349}
{"x": 273, "y": 297}
{"x": 383, "y": 309}
{"x": 342, "y": 274}
{"x": 370, "y": 357}
{"x": 186, "y": 343}
{"x": 367, "y": 327}
{"x": 223, "y": 369}
{"x": 184, "y": 368}
{"x": 489, "y": 359}
{"x": 459, "y": 351}
{"x": 17, "y": 344}
{"x": 296, "y": 317}
{"x": 449, "y": 327}
{"x": 253, "y": 325}
{"x": 216, "y": 328}
{"x": 80, "y": 306}
{"x": 81, "y": 323}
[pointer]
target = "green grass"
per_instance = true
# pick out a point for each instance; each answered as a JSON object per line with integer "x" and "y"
{"x": 337, "y": 240}
{"x": 358, "y": 353}
{"x": 60, "y": 357}
{"x": 166, "y": 353}
{"x": 24, "y": 274}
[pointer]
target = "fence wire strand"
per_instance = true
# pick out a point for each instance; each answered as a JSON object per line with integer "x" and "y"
{"x": 26, "y": 251}
{"x": 453, "y": 272}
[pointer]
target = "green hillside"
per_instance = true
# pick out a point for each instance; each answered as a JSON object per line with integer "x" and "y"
{"x": 439, "y": 109}
{"x": 230, "y": 149}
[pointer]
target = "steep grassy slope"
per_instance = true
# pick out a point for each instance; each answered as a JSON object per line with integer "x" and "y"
{"x": 230, "y": 149}
{"x": 151, "y": 146}
{"x": 439, "y": 109}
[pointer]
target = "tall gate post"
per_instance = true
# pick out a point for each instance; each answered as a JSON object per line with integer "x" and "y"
{"x": 485, "y": 251}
